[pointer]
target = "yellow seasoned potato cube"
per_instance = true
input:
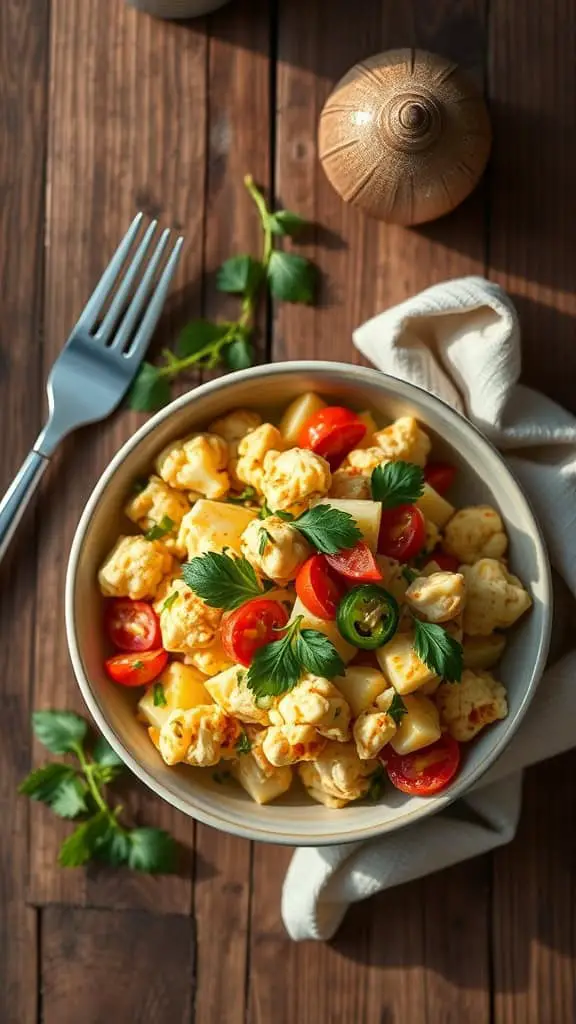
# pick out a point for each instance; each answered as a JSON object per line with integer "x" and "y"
{"x": 366, "y": 513}
{"x": 262, "y": 786}
{"x": 230, "y": 691}
{"x": 360, "y": 686}
{"x": 402, "y": 666}
{"x": 182, "y": 687}
{"x": 213, "y": 526}
{"x": 330, "y": 629}
{"x": 210, "y": 661}
{"x": 295, "y": 416}
{"x": 483, "y": 651}
{"x": 434, "y": 507}
{"x": 371, "y": 428}
{"x": 419, "y": 727}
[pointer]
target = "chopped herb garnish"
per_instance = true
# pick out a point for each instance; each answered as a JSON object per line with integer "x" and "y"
{"x": 243, "y": 744}
{"x": 438, "y": 650}
{"x": 170, "y": 600}
{"x": 328, "y": 529}
{"x": 397, "y": 709}
{"x": 397, "y": 483}
{"x": 159, "y": 530}
{"x": 159, "y": 696}
{"x": 409, "y": 574}
{"x": 221, "y": 581}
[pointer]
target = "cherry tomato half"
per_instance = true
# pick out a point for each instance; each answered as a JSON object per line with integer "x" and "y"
{"x": 136, "y": 669}
{"x": 318, "y": 587}
{"x": 332, "y": 433}
{"x": 251, "y": 626}
{"x": 440, "y": 476}
{"x": 426, "y": 771}
{"x": 402, "y": 532}
{"x": 132, "y": 625}
{"x": 357, "y": 563}
{"x": 446, "y": 562}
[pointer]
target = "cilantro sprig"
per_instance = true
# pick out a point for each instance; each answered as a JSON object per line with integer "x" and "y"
{"x": 397, "y": 483}
{"x": 204, "y": 343}
{"x": 221, "y": 581}
{"x": 278, "y": 666}
{"x": 78, "y": 790}
{"x": 328, "y": 529}
{"x": 397, "y": 709}
{"x": 438, "y": 650}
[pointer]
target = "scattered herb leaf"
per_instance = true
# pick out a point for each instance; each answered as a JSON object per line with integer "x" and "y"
{"x": 221, "y": 581}
{"x": 377, "y": 780}
{"x": 397, "y": 483}
{"x": 291, "y": 277}
{"x": 397, "y": 709}
{"x": 243, "y": 744}
{"x": 159, "y": 696}
{"x": 409, "y": 574}
{"x": 438, "y": 650}
{"x": 328, "y": 529}
{"x": 170, "y": 601}
{"x": 159, "y": 530}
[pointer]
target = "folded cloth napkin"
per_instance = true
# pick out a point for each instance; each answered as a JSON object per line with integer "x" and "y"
{"x": 461, "y": 340}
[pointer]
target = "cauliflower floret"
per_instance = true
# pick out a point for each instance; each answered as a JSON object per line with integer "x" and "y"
{"x": 252, "y": 450}
{"x": 185, "y": 621}
{"x": 494, "y": 598}
{"x": 230, "y": 691}
{"x": 233, "y": 427}
{"x": 209, "y": 660}
{"x": 158, "y": 505}
{"x": 364, "y": 460}
{"x": 338, "y": 775}
{"x": 439, "y": 597}
{"x": 372, "y": 730}
{"x": 199, "y": 736}
{"x": 466, "y": 707}
{"x": 293, "y": 480}
{"x": 275, "y": 548}
{"x": 475, "y": 532}
{"x": 287, "y": 744}
{"x": 348, "y": 483}
{"x": 135, "y": 568}
{"x": 315, "y": 701}
{"x": 197, "y": 464}
{"x": 403, "y": 440}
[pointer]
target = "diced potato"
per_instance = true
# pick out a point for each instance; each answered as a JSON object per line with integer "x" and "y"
{"x": 263, "y": 788}
{"x": 183, "y": 688}
{"x": 371, "y": 428}
{"x": 419, "y": 727}
{"x": 366, "y": 513}
{"x": 300, "y": 410}
{"x": 330, "y": 629}
{"x": 360, "y": 686}
{"x": 393, "y": 579}
{"x": 483, "y": 651}
{"x": 434, "y": 507}
{"x": 213, "y": 526}
{"x": 402, "y": 666}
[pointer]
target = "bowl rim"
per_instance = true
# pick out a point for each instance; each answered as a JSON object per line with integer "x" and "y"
{"x": 373, "y": 377}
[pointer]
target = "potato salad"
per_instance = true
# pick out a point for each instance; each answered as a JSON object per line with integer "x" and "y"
{"x": 302, "y": 604}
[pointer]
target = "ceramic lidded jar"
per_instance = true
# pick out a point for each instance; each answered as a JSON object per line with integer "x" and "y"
{"x": 404, "y": 135}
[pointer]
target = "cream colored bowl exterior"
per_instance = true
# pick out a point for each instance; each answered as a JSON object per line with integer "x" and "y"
{"x": 482, "y": 477}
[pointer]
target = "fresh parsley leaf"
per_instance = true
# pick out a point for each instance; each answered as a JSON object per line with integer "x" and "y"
{"x": 114, "y": 848}
{"x": 82, "y": 844}
{"x": 291, "y": 277}
{"x": 169, "y": 601}
{"x": 377, "y": 780}
{"x": 70, "y": 799}
{"x": 239, "y": 354}
{"x": 286, "y": 517}
{"x": 150, "y": 389}
{"x": 42, "y": 783}
{"x": 248, "y": 494}
{"x": 397, "y": 709}
{"x": 240, "y": 274}
{"x": 397, "y": 483}
{"x": 159, "y": 696}
{"x": 199, "y": 335}
{"x": 62, "y": 732}
{"x": 166, "y": 525}
{"x": 409, "y": 574}
{"x": 275, "y": 668}
{"x": 438, "y": 650}
{"x": 318, "y": 655}
{"x": 243, "y": 744}
{"x": 221, "y": 581}
{"x": 265, "y": 511}
{"x": 152, "y": 850}
{"x": 283, "y": 222}
{"x": 328, "y": 529}
{"x": 264, "y": 538}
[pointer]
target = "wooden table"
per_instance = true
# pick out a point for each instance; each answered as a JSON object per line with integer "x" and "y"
{"x": 102, "y": 112}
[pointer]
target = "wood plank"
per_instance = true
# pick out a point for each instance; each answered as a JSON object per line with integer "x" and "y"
{"x": 23, "y": 68}
{"x": 100, "y": 966}
{"x": 122, "y": 137}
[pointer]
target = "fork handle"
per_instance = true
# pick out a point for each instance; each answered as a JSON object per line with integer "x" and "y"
{"x": 18, "y": 495}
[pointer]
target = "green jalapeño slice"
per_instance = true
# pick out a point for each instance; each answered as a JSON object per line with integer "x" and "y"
{"x": 368, "y": 616}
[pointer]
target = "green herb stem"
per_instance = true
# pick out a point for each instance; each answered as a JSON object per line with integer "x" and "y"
{"x": 88, "y": 768}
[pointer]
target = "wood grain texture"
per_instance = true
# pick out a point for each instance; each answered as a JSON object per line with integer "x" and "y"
{"x": 102, "y": 966}
{"x": 121, "y": 93}
{"x": 23, "y": 111}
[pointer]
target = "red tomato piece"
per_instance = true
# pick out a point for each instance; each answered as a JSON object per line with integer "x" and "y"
{"x": 318, "y": 588}
{"x": 446, "y": 562}
{"x": 132, "y": 625}
{"x": 332, "y": 433}
{"x": 251, "y": 626}
{"x": 402, "y": 532}
{"x": 425, "y": 771}
{"x": 357, "y": 563}
{"x": 440, "y": 476}
{"x": 136, "y": 669}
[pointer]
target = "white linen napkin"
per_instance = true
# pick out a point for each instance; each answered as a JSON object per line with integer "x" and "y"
{"x": 461, "y": 340}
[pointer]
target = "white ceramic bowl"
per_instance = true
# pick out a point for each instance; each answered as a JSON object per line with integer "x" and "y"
{"x": 482, "y": 477}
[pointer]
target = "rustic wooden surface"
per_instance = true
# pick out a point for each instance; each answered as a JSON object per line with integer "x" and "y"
{"x": 104, "y": 111}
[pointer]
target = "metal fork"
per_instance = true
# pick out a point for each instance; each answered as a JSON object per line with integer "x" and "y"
{"x": 100, "y": 359}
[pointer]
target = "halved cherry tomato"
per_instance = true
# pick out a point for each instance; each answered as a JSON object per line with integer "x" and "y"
{"x": 251, "y": 626}
{"x": 426, "y": 771}
{"x": 332, "y": 433}
{"x": 132, "y": 625}
{"x": 446, "y": 562}
{"x": 402, "y": 532}
{"x": 440, "y": 476}
{"x": 357, "y": 563}
{"x": 136, "y": 669}
{"x": 318, "y": 587}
